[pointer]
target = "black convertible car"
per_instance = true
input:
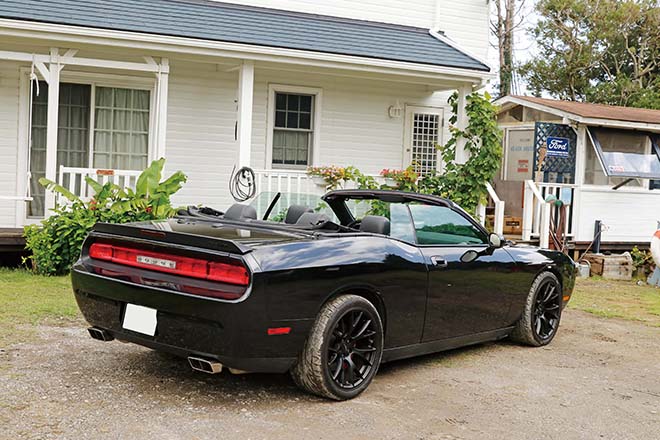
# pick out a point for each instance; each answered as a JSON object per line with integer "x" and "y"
{"x": 383, "y": 275}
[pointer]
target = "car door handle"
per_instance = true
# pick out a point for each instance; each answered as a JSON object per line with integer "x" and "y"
{"x": 439, "y": 262}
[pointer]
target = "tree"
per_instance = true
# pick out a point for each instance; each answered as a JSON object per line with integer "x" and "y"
{"x": 605, "y": 51}
{"x": 502, "y": 26}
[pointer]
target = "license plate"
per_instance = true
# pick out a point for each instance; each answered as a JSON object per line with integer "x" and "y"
{"x": 140, "y": 319}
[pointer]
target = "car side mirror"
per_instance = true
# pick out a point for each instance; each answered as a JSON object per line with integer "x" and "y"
{"x": 495, "y": 241}
{"x": 469, "y": 256}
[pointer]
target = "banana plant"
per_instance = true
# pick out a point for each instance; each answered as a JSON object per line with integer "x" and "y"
{"x": 150, "y": 194}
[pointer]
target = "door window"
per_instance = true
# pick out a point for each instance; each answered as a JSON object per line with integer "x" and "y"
{"x": 72, "y": 136}
{"x": 425, "y": 139}
{"x": 440, "y": 225}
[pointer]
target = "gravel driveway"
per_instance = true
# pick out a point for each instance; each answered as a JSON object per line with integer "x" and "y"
{"x": 600, "y": 378}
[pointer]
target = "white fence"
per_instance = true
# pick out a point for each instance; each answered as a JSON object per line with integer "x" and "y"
{"x": 73, "y": 179}
{"x": 537, "y": 213}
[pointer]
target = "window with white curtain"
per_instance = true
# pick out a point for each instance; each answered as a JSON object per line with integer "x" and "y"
{"x": 72, "y": 135}
{"x": 121, "y": 128}
{"x": 293, "y": 129}
{"x": 117, "y": 117}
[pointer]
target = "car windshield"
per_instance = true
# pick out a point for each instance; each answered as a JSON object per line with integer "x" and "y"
{"x": 262, "y": 201}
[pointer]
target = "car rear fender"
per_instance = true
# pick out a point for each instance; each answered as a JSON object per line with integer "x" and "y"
{"x": 366, "y": 291}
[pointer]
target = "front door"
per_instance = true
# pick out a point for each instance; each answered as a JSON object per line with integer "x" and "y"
{"x": 72, "y": 136}
{"x": 463, "y": 298}
{"x": 423, "y": 133}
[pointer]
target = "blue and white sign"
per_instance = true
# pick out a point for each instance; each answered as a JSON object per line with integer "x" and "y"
{"x": 557, "y": 146}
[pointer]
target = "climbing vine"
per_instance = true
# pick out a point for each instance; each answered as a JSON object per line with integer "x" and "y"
{"x": 465, "y": 183}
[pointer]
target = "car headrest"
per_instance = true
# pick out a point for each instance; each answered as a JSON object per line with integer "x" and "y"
{"x": 375, "y": 224}
{"x": 294, "y": 212}
{"x": 312, "y": 219}
{"x": 238, "y": 211}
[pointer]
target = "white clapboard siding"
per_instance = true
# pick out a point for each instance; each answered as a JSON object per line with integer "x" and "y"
{"x": 8, "y": 141}
{"x": 465, "y": 21}
{"x": 627, "y": 215}
{"x": 356, "y": 129}
{"x": 200, "y": 131}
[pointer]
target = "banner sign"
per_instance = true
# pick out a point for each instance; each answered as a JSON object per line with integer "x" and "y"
{"x": 557, "y": 146}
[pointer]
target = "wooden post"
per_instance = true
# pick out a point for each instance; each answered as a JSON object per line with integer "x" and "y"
{"x": 52, "y": 126}
{"x": 462, "y": 123}
{"x": 245, "y": 98}
{"x": 162, "y": 99}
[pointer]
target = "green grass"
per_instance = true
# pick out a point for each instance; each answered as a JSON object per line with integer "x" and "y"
{"x": 617, "y": 299}
{"x": 27, "y": 300}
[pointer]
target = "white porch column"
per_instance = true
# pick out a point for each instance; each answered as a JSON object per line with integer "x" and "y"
{"x": 162, "y": 100}
{"x": 52, "y": 126}
{"x": 245, "y": 97}
{"x": 462, "y": 122}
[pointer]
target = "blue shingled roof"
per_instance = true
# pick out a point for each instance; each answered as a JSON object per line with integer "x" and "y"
{"x": 207, "y": 20}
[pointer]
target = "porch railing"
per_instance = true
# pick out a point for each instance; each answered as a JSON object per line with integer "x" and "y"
{"x": 498, "y": 224}
{"x": 73, "y": 179}
{"x": 537, "y": 213}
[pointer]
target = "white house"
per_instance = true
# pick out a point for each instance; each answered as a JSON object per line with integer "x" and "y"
{"x": 103, "y": 87}
{"x": 602, "y": 160}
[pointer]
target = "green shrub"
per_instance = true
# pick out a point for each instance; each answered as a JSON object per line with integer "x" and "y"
{"x": 56, "y": 242}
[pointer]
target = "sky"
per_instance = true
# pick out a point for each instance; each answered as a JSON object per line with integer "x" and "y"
{"x": 524, "y": 46}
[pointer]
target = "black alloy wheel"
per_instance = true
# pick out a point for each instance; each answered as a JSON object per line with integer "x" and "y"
{"x": 539, "y": 321}
{"x": 343, "y": 350}
{"x": 352, "y": 349}
{"x": 547, "y": 309}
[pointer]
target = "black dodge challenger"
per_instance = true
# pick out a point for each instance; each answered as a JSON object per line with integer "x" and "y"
{"x": 383, "y": 275}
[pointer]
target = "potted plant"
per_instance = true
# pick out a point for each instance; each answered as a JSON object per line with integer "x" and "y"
{"x": 399, "y": 178}
{"x": 330, "y": 177}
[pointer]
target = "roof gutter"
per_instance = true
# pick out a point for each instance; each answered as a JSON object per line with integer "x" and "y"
{"x": 188, "y": 46}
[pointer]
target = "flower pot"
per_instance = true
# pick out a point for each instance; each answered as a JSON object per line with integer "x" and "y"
{"x": 319, "y": 181}
{"x": 390, "y": 182}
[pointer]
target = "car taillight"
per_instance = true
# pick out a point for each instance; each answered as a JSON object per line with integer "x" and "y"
{"x": 227, "y": 272}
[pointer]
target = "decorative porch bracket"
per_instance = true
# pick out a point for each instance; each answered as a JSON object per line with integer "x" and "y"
{"x": 50, "y": 67}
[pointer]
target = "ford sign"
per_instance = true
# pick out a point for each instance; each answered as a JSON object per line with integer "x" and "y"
{"x": 557, "y": 146}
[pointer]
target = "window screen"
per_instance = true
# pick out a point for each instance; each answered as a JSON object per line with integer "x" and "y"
{"x": 620, "y": 155}
{"x": 293, "y": 129}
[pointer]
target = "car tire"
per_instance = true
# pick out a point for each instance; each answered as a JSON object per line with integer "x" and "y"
{"x": 539, "y": 322}
{"x": 343, "y": 350}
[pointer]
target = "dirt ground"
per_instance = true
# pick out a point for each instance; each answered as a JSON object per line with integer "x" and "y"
{"x": 600, "y": 378}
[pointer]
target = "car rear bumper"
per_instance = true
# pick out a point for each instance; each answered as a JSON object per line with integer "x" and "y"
{"x": 235, "y": 334}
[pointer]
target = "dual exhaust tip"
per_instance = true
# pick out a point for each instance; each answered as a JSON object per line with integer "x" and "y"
{"x": 205, "y": 365}
{"x": 99, "y": 334}
{"x": 209, "y": 366}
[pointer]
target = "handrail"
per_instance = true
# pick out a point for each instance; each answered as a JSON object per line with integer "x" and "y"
{"x": 499, "y": 209}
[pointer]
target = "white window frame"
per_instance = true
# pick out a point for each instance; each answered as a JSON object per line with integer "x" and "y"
{"x": 93, "y": 79}
{"x": 644, "y": 183}
{"x": 115, "y": 81}
{"x": 409, "y": 114}
{"x": 505, "y": 147}
{"x": 314, "y": 154}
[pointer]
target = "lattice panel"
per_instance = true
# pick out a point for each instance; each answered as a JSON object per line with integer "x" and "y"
{"x": 425, "y": 137}
{"x": 554, "y": 169}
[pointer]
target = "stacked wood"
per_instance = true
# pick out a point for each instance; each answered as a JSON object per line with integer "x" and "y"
{"x": 611, "y": 267}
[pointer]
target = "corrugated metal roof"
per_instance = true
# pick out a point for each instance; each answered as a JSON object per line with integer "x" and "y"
{"x": 599, "y": 111}
{"x": 207, "y": 20}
